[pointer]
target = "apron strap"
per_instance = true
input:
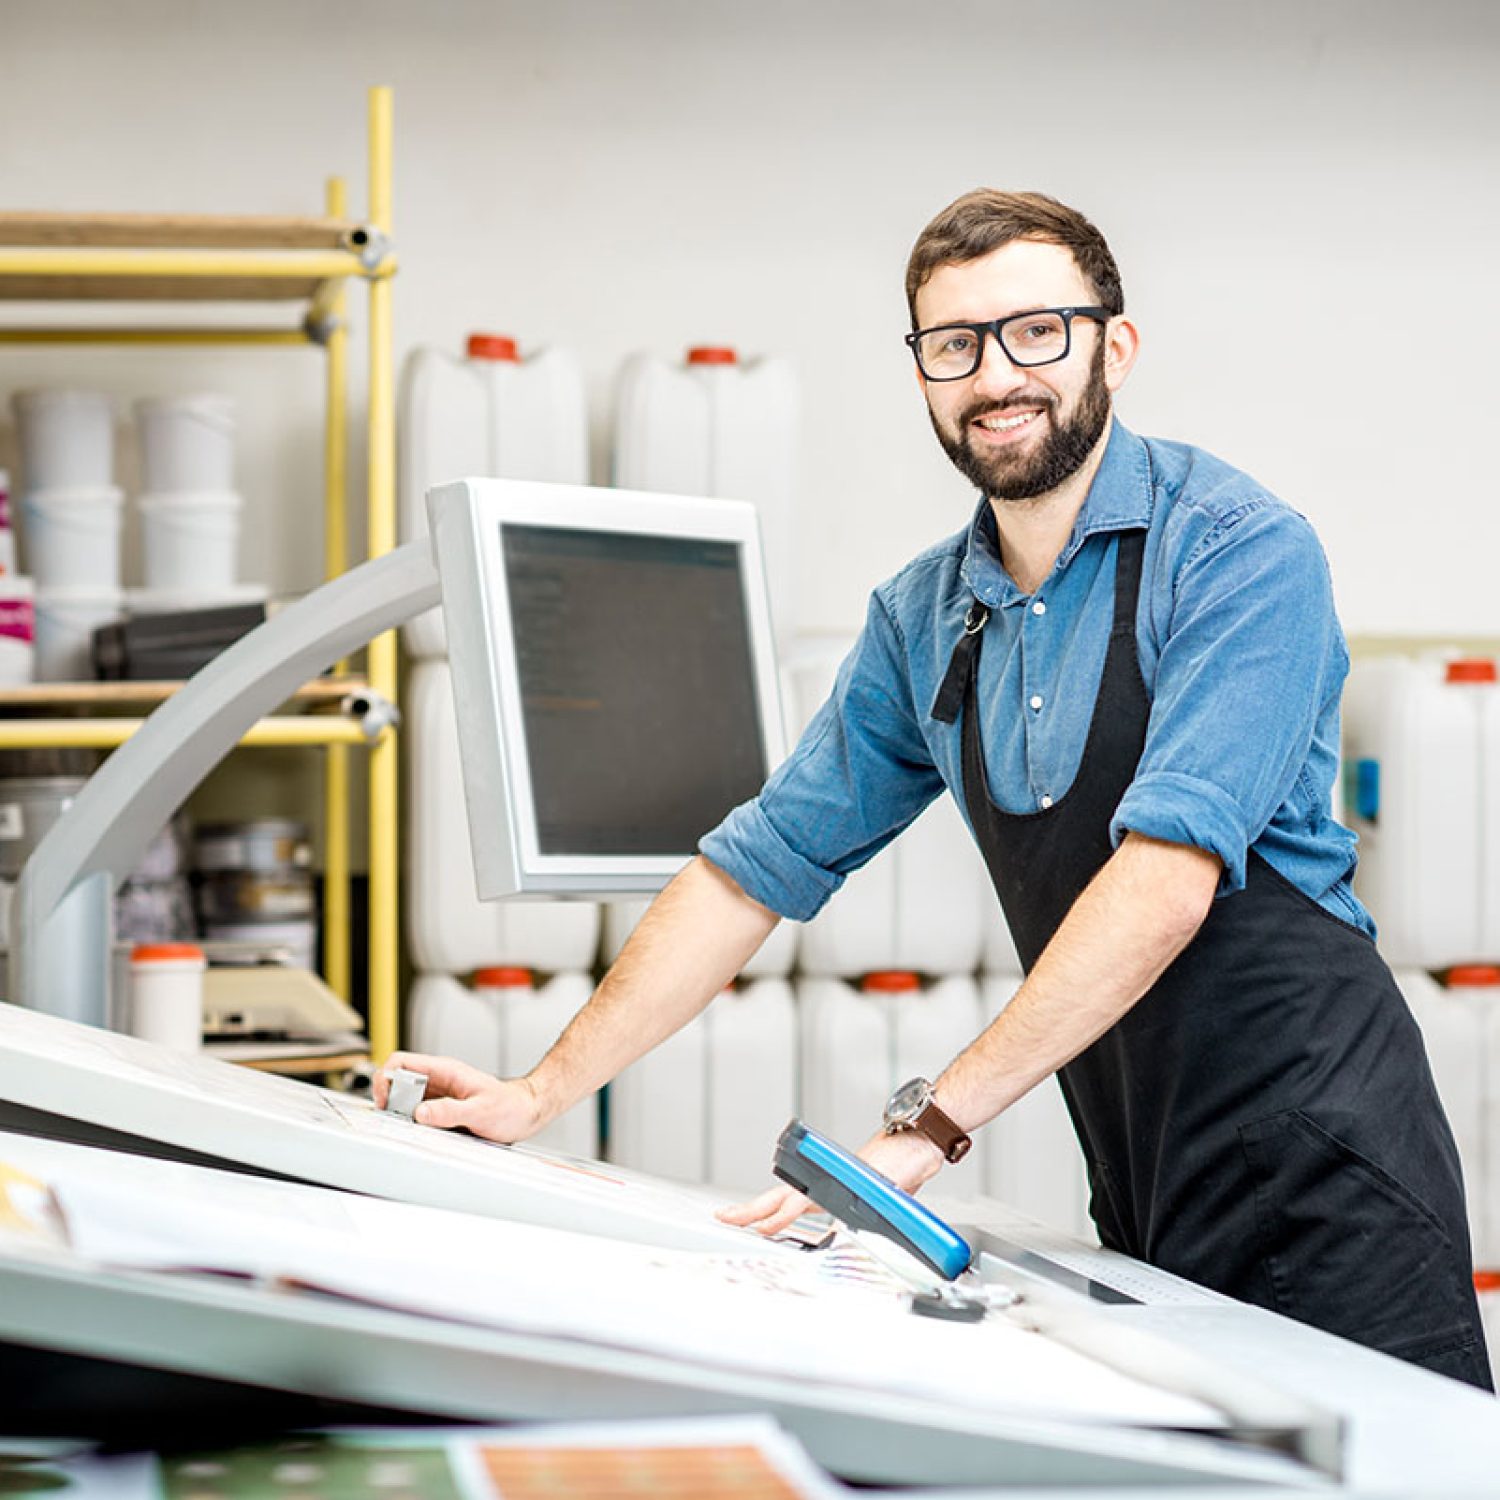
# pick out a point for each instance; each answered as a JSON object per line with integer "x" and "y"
{"x": 950, "y": 695}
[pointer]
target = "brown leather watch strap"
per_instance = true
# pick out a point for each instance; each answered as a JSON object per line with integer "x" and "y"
{"x": 942, "y": 1132}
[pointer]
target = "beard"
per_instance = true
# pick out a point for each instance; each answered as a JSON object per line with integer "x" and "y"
{"x": 1004, "y": 475}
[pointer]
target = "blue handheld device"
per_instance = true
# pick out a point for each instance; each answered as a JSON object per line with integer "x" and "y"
{"x": 844, "y": 1186}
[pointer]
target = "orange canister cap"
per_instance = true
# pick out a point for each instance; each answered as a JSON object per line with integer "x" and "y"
{"x": 1472, "y": 976}
{"x": 712, "y": 354}
{"x": 1471, "y": 669}
{"x": 891, "y": 982}
{"x": 161, "y": 953}
{"x": 493, "y": 346}
{"x": 503, "y": 977}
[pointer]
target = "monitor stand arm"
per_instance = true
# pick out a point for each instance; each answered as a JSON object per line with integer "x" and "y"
{"x": 60, "y": 957}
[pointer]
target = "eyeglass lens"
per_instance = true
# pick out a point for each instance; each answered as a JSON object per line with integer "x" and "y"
{"x": 951, "y": 353}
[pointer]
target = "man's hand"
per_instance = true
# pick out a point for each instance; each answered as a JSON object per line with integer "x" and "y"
{"x": 458, "y": 1095}
{"x": 907, "y": 1158}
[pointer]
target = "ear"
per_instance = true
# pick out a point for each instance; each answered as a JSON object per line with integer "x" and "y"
{"x": 1122, "y": 342}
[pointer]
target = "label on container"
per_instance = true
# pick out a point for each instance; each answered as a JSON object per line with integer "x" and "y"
{"x": 18, "y": 619}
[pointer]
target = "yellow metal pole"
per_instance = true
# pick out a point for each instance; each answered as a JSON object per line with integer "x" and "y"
{"x": 104, "y": 734}
{"x": 385, "y": 911}
{"x": 337, "y": 963}
{"x": 271, "y": 336}
{"x": 293, "y": 265}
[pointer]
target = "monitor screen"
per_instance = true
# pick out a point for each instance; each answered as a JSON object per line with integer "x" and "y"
{"x": 614, "y": 678}
{"x": 637, "y": 686}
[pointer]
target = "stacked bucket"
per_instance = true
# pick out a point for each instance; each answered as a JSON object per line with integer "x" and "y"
{"x": 189, "y": 508}
{"x": 72, "y": 517}
{"x": 72, "y": 514}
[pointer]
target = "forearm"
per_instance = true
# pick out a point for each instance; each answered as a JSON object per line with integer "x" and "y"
{"x": 1137, "y": 914}
{"x": 693, "y": 940}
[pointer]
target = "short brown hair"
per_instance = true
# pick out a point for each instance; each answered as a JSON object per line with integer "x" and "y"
{"x": 986, "y": 219}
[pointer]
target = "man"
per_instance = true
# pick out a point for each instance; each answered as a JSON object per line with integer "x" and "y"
{"x": 1127, "y": 670}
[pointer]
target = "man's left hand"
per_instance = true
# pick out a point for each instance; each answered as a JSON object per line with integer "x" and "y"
{"x": 908, "y": 1158}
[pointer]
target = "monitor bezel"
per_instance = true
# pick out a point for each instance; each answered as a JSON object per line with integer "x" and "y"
{"x": 466, "y": 520}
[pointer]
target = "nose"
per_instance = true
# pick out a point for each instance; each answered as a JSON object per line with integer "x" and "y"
{"x": 996, "y": 375}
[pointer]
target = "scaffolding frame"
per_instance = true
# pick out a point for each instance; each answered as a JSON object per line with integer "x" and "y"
{"x": 265, "y": 259}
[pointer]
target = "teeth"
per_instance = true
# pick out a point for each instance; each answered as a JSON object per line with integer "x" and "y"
{"x": 1005, "y": 424}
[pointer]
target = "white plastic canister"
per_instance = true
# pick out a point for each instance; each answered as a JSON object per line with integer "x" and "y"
{"x": 492, "y": 414}
{"x": 1422, "y": 790}
{"x": 190, "y": 538}
{"x": 65, "y": 623}
{"x": 1032, "y": 1158}
{"x": 67, "y": 438}
{"x": 449, "y": 929}
{"x": 187, "y": 442}
{"x": 1455, "y": 1027}
{"x": 166, "y": 994}
{"x": 847, "y": 1068}
{"x": 716, "y": 425}
{"x": 658, "y": 1108}
{"x": 751, "y": 1090}
{"x": 73, "y": 536}
{"x": 445, "y": 1018}
{"x": 531, "y": 1017}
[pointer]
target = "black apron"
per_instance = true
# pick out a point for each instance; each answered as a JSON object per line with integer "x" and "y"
{"x": 1263, "y": 1121}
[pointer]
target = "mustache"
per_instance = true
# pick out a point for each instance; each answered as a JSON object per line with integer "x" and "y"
{"x": 1020, "y": 401}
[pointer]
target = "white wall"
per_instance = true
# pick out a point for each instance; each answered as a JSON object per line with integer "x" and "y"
{"x": 1301, "y": 195}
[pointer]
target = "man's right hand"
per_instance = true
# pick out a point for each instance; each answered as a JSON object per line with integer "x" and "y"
{"x": 461, "y": 1096}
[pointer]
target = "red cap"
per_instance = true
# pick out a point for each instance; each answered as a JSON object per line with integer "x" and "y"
{"x": 1471, "y": 669}
{"x": 493, "y": 346}
{"x": 1487, "y": 1281}
{"x": 1472, "y": 976}
{"x": 891, "y": 982}
{"x": 506, "y": 977}
{"x": 712, "y": 354}
{"x": 154, "y": 953}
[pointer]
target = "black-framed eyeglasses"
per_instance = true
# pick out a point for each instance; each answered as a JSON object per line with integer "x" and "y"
{"x": 953, "y": 351}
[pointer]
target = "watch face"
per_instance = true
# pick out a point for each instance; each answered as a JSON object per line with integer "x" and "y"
{"x": 907, "y": 1102}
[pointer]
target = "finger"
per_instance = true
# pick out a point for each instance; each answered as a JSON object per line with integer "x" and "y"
{"x": 745, "y": 1214}
{"x": 792, "y": 1210}
{"x": 446, "y": 1076}
{"x": 445, "y": 1114}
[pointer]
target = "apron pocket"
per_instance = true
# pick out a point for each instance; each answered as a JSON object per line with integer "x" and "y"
{"x": 1349, "y": 1248}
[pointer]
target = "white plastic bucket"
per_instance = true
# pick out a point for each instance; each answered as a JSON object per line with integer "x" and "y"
{"x": 187, "y": 442}
{"x": 73, "y": 536}
{"x": 190, "y": 539}
{"x": 65, "y": 623}
{"x": 67, "y": 438}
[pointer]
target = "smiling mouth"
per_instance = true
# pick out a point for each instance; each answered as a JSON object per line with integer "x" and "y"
{"x": 1006, "y": 424}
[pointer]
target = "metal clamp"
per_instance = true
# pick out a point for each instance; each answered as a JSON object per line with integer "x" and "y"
{"x": 375, "y": 712}
{"x": 370, "y": 244}
{"x": 320, "y": 330}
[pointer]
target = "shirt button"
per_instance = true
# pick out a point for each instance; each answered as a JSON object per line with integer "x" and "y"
{"x": 1046, "y": 801}
{"x": 1039, "y": 608}
{"x": 1036, "y": 700}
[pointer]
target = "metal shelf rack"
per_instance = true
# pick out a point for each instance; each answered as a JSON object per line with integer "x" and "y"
{"x": 98, "y": 259}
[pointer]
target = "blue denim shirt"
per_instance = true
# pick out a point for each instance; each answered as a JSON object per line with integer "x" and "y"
{"x": 1239, "y": 645}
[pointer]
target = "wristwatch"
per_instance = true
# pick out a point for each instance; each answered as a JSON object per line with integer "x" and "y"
{"x": 914, "y": 1107}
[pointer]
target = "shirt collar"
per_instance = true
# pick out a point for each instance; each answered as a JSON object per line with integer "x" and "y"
{"x": 1119, "y": 499}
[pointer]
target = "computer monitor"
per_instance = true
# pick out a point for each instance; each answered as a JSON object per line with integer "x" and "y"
{"x": 614, "y": 676}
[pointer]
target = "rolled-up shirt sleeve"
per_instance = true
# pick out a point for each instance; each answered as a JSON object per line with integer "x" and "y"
{"x": 861, "y": 773}
{"x": 1251, "y": 652}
